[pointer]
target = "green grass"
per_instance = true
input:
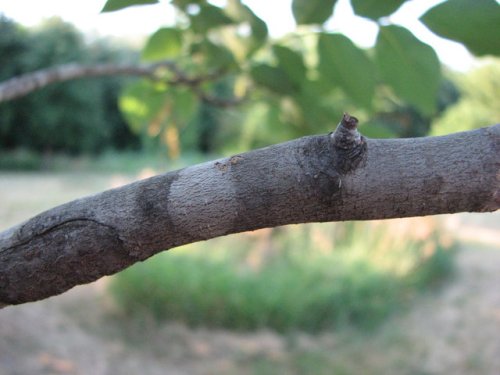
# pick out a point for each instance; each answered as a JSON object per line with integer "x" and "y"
{"x": 20, "y": 160}
{"x": 110, "y": 161}
{"x": 308, "y": 277}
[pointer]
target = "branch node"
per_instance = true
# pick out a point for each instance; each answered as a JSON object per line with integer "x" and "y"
{"x": 346, "y": 135}
{"x": 350, "y": 146}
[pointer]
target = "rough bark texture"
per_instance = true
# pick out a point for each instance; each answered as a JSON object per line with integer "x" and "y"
{"x": 339, "y": 176}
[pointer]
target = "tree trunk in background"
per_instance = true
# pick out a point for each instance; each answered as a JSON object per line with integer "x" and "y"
{"x": 334, "y": 177}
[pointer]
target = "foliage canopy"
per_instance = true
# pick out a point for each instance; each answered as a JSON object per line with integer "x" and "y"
{"x": 300, "y": 82}
{"x": 276, "y": 89}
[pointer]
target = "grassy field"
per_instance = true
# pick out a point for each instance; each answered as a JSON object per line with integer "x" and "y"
{"x": 302, "y": 277}
{"x": 451, "y": 329}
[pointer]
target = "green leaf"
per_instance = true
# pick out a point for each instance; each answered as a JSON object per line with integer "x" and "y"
{"x": 140, "y": 102}
{"x": 342, "y": 63}
{"x": 273, "y": 78}
{"x": 208, "y": 18}
{"x": 185, "y": 104}
{"x": 259, "y": 27}
{"x": 375, "y": 9}
{"x": 317, "y": 108}
{"x": 184, "y": 4}
{"x": 475, "y": 23}
{"x": 213, "y": 56}
{"x": 164, "y": 43}
{"x": 376, "y": 129}
{"x": 242, "y": 13}
{"x": 292, "y": 64}
{"x": 409, "y": 66}
{"x": 245, "y": 45}
{"x": 112, "y": 5}
{"x": 312, "y": 11}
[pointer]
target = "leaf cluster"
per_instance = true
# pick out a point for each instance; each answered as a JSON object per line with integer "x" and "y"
{"x": 305, "y": 79}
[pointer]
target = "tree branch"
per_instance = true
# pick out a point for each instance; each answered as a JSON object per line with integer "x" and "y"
{"x": 334, "y": 177}
{"x": 25, "y": 84}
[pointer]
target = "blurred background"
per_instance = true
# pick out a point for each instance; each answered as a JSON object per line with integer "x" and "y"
{"x": 405, "y": 296}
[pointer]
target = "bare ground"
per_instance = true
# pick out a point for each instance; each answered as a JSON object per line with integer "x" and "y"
{"x": 455, "y": 330}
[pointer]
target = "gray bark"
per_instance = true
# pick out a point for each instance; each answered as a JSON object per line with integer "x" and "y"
{"x": 334, "y": 177}
{"x": 22, "y": 85}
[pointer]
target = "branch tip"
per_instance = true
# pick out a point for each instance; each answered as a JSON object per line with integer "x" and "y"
{"x": 349, "y": 122}
{"x": 350, "y": 147}
{"x": 346, "y": 136}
